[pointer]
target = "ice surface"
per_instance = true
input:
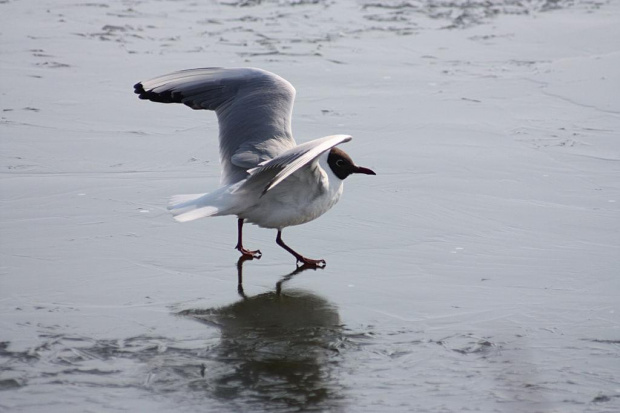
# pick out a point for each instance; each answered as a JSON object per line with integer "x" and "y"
{"x": 478, "y": 271}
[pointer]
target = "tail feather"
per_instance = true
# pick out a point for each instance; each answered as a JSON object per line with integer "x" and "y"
{"x": 179, "y": 201}
{"x": 193, "y": 206}
{"x": 193, "y": 214}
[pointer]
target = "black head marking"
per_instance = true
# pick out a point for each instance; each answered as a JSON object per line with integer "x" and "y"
{"x": 342, "y": 165}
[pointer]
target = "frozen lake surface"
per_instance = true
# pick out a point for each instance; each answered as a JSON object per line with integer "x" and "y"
{"x": 478, "y": 271}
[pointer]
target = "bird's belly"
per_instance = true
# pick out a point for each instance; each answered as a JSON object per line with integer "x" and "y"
{"x": 284, "y": 207}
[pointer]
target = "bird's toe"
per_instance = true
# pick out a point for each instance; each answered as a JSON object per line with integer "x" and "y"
{"x": 308, "y": 262}
{"x": 249, "y": 253}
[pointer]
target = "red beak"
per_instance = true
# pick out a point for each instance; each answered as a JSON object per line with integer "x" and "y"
{"x": 362, "y": 170}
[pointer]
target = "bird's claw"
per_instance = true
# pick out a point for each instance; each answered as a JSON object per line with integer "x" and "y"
{"x": 310, "y": 263}
{"x": 250, "y": 254}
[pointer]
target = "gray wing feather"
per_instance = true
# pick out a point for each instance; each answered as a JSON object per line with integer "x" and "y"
{"x": 278, "y": 169}
{"x": 253, "y": 106}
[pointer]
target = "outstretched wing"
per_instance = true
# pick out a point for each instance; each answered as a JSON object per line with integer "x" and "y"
{"x": 253, "y": 108}
{"x": 281, "y": 167}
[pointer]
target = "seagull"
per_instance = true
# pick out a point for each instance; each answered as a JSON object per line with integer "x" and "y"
{"x": 267, "y": 179}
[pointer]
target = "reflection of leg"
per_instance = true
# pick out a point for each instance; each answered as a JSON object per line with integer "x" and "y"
{"x": 300, "y": 258}
{"x": 287, "y": 277}
{"x": 240, "y": 262}
{"x": 246, "y": 253}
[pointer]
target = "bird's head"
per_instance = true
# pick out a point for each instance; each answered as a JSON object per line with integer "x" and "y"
{"x": 342, "y": 165}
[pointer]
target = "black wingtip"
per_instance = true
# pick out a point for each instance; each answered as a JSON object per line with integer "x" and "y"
{"x": 166, "y": 96}
{"x": 138, "y": 88}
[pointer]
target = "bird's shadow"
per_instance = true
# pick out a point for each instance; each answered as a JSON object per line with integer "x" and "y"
{"x": 279, "y": 349}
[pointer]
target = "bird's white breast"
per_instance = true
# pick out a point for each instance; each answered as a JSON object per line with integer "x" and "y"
{"x": 302, "y": 197}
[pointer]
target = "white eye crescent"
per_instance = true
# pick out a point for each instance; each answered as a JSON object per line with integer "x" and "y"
{"x": 340, "y": 163}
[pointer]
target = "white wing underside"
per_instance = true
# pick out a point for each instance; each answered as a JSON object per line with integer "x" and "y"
{"x": 273, "y": 172}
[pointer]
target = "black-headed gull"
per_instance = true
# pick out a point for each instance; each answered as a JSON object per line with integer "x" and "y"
{"x": 267, "y": 179}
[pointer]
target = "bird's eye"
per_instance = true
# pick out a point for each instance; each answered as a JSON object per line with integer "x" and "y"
{"x": 340, "y": 163}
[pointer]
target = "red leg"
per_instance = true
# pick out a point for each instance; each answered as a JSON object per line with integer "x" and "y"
{"x": 243, "y": 251}
{"x": 300, "y": 258}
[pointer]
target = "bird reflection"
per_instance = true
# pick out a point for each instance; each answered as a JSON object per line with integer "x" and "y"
{"x": 284, "y": 279}
{"x": 278, "y": 349}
